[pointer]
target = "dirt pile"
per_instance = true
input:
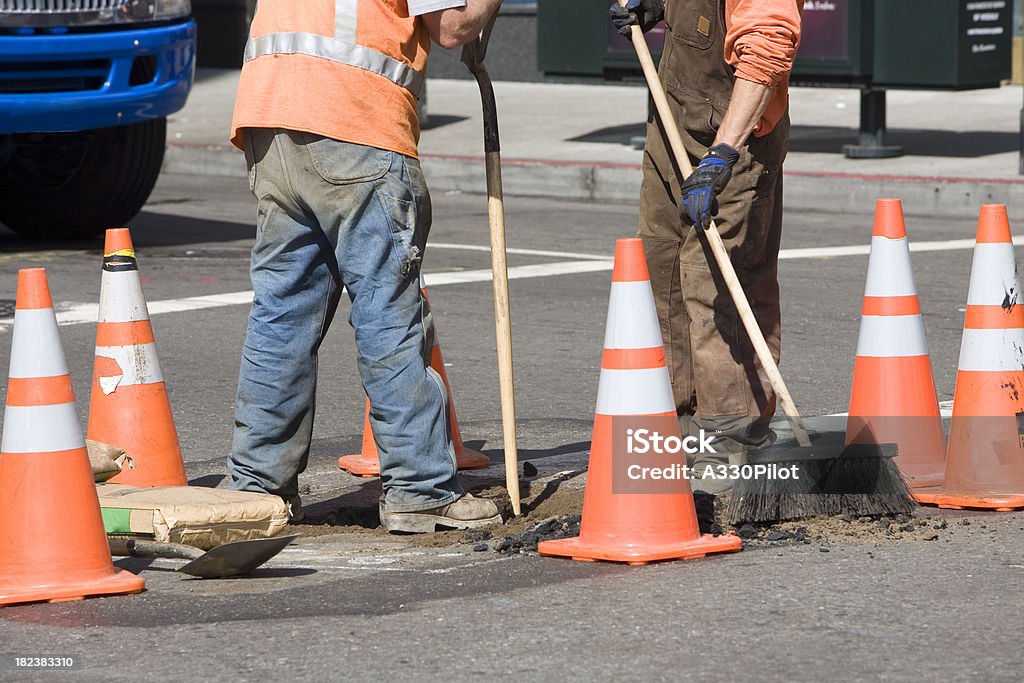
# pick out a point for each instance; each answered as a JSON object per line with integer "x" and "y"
{"x": 918, "y": 526}
{"x": 552, "y": 507}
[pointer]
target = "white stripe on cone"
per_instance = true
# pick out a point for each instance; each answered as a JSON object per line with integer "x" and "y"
{"x": 635, "y": 392}
{"x": 889, "y": 271}
{"x": 41, "y": 429}
{"x": 992, "y": 350}
{"x": 632, "y": 317}
{"x": 35, "y": 347}
{"x": 993, "y": 275}
{"x": 889, "y": 336}
{"x": 138, "y": 362}
{"x": 121, "y": 298}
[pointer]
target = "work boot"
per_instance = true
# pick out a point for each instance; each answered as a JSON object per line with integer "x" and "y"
{"x": 468, "y": 512}
{"x": 715, "y": 487}
{"x": 733, "y": 438}
{"x": 294, "y": 505}
{"x": 720, "y": 464}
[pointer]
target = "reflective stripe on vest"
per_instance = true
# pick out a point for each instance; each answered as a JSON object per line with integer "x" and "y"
{"x": 341, "y": 48}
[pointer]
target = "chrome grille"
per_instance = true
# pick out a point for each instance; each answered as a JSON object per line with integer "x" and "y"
{"x": 60, "y": 6}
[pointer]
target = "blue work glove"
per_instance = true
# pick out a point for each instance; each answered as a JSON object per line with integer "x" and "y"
{"x": 700, "y": 191}
{"x": 645, "y": 13}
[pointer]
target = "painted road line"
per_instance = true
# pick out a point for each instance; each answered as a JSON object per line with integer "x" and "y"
{"x": 784, "y": 254}
{"x": 76, "y": 314}
{"x": 865, "y": 249}
{"x": 945, "y": 410}
{"x": 522, "y": 252}
{"x": 517, "y": 272}
{"x": 79, "y": 313}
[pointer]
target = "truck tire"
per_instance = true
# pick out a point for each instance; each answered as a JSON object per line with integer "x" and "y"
{"x": 76, "y": 185}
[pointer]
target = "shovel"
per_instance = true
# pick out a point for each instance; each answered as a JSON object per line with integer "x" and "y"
{"x": 223, "y": 562}
{"x": 473, "y": 57}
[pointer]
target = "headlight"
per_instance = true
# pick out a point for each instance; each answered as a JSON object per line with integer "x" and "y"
{"x": 171, "y": 9}
{"x": 156, "y": 10}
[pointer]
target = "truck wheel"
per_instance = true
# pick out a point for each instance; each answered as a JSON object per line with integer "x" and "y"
{"x": 75, "y": 185}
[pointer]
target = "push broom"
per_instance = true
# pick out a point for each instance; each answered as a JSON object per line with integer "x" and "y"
{"x": 834, "y": 478}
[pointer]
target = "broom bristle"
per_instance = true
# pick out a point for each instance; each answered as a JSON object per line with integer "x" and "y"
{"x": 843, "y": 485}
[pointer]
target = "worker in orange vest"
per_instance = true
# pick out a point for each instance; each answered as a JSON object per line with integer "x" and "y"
{"x": 326, "y": 115}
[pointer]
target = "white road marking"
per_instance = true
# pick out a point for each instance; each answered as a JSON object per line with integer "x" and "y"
{"x": 523, "y": 252}
{"x": 517, "y": 272}
{"x": 79, "y": 313}
{"x": 326, "y": 560}
{"x": 945, "y": 410}
{"x": 864, "y": 249}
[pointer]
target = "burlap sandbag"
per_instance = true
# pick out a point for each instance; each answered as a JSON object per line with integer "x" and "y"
{"x": 194, "y": 515}
{"x": 106, "y": 460}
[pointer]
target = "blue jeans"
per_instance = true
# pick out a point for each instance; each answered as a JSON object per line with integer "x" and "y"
{"x": 335, "y": 216}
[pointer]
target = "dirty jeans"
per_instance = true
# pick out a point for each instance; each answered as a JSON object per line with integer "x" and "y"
{"x": 717, "y": 382}
{"x": 336, "y": 216}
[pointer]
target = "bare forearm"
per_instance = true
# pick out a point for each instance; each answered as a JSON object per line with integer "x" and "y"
{"x": 746, "y": 106}
{"x": 457, "y": 26}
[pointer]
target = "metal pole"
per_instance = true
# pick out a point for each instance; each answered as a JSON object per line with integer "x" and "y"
{"x": 871, "y": 144}
{"x": 1020, "y": 142}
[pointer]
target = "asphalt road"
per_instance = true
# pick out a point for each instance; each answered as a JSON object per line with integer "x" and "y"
{"x": 366, "y": 606}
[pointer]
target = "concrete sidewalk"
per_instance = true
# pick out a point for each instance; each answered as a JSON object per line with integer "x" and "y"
{"x": 573, "y": 141}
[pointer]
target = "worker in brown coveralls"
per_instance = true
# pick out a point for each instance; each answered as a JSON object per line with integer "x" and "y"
{"x": 725, "y": 68}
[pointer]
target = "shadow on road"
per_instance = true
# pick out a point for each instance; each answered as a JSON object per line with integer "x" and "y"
{"x": 942, "y": 143}
{"x": 498, "y": 454}
{"x": 441, "y": 120}
{"x": 148, "y": 230}
{"x": 210, "y": 481}
{"x": 830, "y": 139}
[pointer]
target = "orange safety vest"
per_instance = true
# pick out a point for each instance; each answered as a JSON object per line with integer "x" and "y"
{"x": 349, "y": 70}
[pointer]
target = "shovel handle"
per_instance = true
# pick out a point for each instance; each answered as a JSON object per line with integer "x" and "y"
{"x": 718, "y": 249}
{"x": 128, "y": 547}
{"x": 472, "y": 57}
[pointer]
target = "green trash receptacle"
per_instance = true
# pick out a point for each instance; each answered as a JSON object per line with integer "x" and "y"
{"x": 940, "y": 44}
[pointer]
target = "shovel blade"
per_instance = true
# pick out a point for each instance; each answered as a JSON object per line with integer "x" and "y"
{"x": 236, "y": 559}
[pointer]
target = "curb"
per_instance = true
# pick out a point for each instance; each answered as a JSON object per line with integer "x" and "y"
{"x": 620, "y": 183}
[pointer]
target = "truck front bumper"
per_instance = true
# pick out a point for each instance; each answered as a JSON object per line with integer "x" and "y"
{"x": 72, "y": 82}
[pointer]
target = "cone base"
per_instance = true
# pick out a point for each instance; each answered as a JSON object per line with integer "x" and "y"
{"x": 468, "y": 459}
{"x": 369, "y": 466}
{"x": 958, "y": 500}
{"x": 119, "y": 582}
{"x": 579, "y": 549}
{"x": 360, "y": 465}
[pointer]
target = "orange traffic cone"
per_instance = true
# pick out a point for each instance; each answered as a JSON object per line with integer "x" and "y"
{"x": 52, "y": 544}
{"x": 893, "y": 398}
{"x": 129, "y": 407}
{"x": 367, "y": 463}
{"x": 985, "y": 460}
{"x": 645, "y": 523}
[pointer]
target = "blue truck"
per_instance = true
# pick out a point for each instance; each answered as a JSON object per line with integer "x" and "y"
{"x": 85, "y": 90}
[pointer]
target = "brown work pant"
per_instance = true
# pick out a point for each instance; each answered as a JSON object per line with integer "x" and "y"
{"x": 716, "y": 378}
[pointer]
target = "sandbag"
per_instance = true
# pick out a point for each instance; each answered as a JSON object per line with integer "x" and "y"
{"x": 106, "y": 460}
{"x": 194, "y": 515}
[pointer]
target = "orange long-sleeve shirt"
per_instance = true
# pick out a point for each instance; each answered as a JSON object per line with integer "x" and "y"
{"x": 761, "y": 39}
